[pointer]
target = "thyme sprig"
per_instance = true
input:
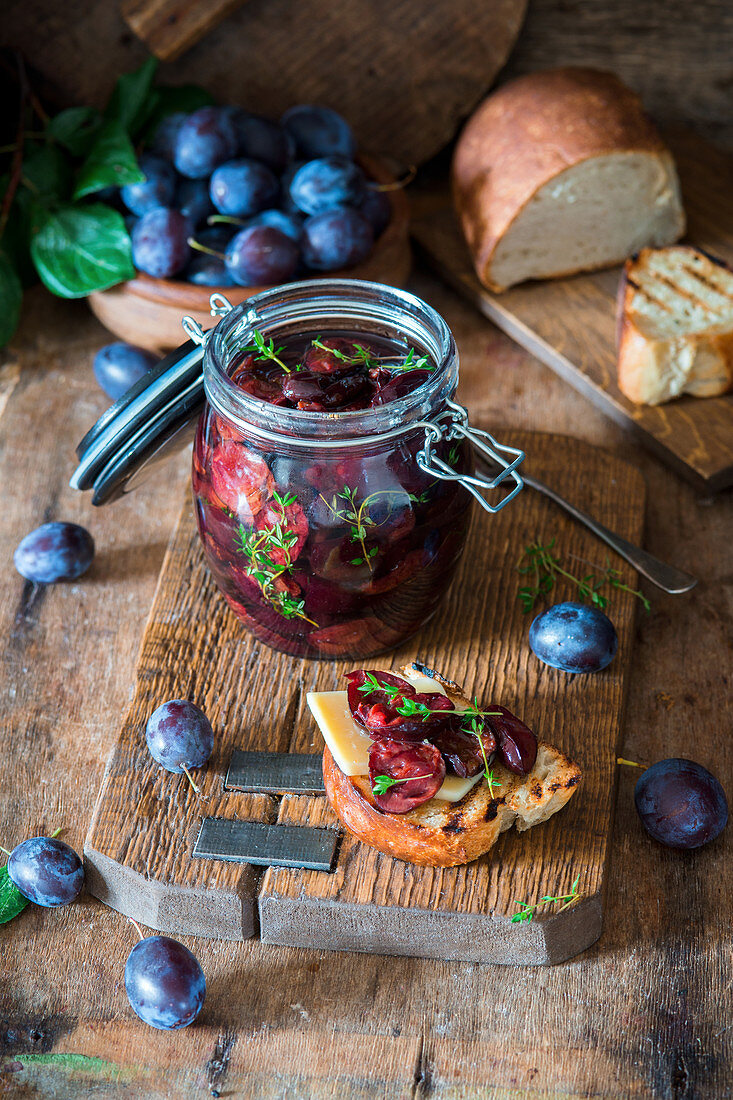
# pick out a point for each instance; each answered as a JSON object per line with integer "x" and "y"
{"x": 382, "y": 783}
{"x": 263, "y": 350}
{"x": 541, "y": 564}
{"x": 363, "y": 358}
{"x": 408, "y": 708}
{"x": 259, "y": 547}
{"x": 528, "y": 911}
{"x": 361, "y": 522}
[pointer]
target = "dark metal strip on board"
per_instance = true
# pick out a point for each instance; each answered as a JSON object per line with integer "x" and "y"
{"x": 266, "y": 845}
{"x": 276, "y": 772}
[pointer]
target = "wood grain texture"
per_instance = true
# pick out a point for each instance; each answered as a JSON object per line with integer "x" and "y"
{"x": 403, "y": 73}
{"x": 146, "y": 820}
{"x": 644, "y": 1013}
{"x": 570, "y": 323}
{"x": 170, "y": 27}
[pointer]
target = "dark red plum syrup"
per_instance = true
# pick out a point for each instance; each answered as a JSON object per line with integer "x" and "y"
{"x": 328, "y": 552}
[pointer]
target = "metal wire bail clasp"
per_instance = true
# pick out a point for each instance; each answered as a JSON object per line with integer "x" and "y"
{"x": 219, "y": 307}
{"x": 453, "y": 424}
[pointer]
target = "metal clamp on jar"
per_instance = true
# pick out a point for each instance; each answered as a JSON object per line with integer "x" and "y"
{"x": 329, "y": 534}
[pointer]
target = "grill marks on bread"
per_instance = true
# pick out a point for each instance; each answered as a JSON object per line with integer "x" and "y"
{"x": 681, "y": 290}
{"x": 675, "y": 325}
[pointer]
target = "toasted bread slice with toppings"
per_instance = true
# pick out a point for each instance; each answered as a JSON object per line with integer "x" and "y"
{"x": 675, "y": 330}
{"x": 445, "y": 834}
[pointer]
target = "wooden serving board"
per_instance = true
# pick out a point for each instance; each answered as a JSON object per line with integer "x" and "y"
{"x": 139, "y": 849}
{"x": 570, "y": 324}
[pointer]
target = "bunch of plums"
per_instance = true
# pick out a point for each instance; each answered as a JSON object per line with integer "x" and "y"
{"x": 231, "y": 198}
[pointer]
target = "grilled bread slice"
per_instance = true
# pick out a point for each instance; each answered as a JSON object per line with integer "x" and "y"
{"x": 446, "y": 834}
{"x": 675, "y": 330}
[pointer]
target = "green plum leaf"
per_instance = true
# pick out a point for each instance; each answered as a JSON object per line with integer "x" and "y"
{"x": 47, "y": 173}
{"x": 12, "y": 901}
{"x": 111, "y": 162}
{"x": 75, "y": 129}
{"x": 78, "y": 249}
{"x": 131, "y": 101}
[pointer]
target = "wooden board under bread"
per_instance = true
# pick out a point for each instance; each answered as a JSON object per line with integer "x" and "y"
{"x": 138, "y": 853}
{"x": 570, "y": 324}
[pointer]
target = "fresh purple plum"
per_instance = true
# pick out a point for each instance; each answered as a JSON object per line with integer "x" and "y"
{"x": 119, "y": 366}
{"x": 54, "y": 552}
{"x": 206, "y": 139}
{"x": 680, "y": 803}
{"x": 261, "y": 139}
{"x": 193, "y": 200}
{"x": 156, "y": 190}
{"x": 261, "y": 255}
{"x": 166, "y": 135}
{"x": 46, "y": 871}
{"x": 179, "y": 736}
{"x": 289, "y": 224}
{"x": 574, "y": 637}
{"x": 318, "y": 132}
{"x": 327, "y": 183}
{"x": 376, "y": 208}
{"x": 164, "y": 982}
{"x": 205, "y": 269}
{"x": 336, "y": 239}
{"x": 160, "y": 243}
{"x": 286, "y": 179}
{"x": 242, "y": 188}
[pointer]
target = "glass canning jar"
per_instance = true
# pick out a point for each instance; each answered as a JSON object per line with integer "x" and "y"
{"x": 336, "y": 534}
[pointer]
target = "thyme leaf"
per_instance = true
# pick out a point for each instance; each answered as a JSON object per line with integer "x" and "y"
{"x": 527, "y": 911}
{"x": 362, "y": 357}
{"x": 259, "y": 549}
{"x": 263, "y": 350}
{"x": 382, "y": 783}
{"x": 540, "y": 564}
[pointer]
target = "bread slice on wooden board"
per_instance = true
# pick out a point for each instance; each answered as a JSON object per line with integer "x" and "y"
{"x": 559, "y": 172}
{"x": 675, "y": 325}
{"x": 446, "y": 834}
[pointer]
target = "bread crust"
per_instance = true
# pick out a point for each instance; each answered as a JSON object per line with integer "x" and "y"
{"x": 445, "y": 834}
{"x": 643, "y": 359}
{"x": 528, "y": 132}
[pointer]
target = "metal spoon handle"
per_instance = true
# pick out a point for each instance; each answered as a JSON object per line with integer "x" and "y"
{"x": 666, "y": 577}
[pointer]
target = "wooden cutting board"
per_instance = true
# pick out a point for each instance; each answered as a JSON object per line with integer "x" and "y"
{"x": 138, "y": 853}
{"x": 570, "y": 324}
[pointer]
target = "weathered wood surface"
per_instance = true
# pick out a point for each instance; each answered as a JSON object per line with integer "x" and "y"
{"x": 570, "y": 324}
{"x": 676, "y": 54}
{"x": 139, "y": 848}
{"x": 403, "y": 72}
{"x": 644, "y": 1013}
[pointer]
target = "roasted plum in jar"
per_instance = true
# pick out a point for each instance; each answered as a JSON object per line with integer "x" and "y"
{"x": 328, "y": 551}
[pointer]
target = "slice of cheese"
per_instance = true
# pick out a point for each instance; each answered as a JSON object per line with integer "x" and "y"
{"x": 350, "y": 746}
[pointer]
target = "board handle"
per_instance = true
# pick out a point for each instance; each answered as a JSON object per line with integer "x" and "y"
{"x": 170, "y": 27}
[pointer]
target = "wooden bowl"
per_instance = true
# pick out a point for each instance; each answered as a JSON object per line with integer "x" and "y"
{"x": 148, "y": 312}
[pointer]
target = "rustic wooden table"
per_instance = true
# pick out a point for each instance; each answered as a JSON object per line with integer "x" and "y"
{"x": 645, "y": 1012}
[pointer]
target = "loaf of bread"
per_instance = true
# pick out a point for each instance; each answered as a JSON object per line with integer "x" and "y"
{"x": 446, "y": 834}
{"x": 675, "y": 326}
{"x": 559, "y": 172}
